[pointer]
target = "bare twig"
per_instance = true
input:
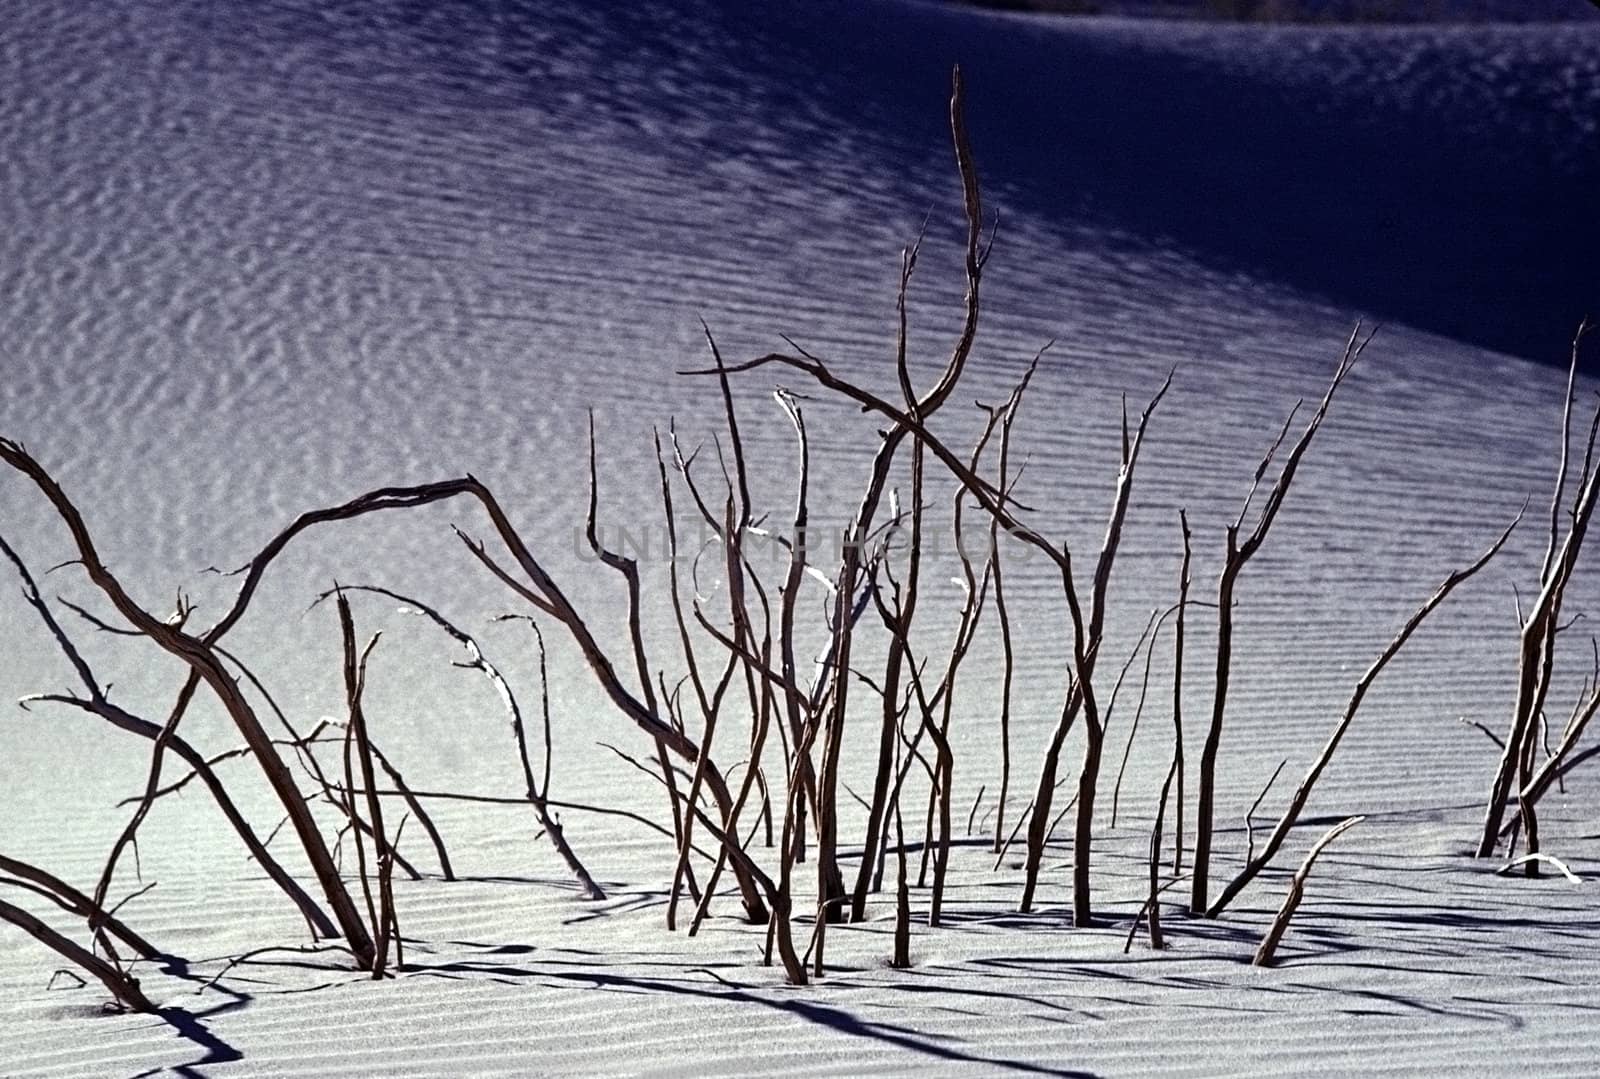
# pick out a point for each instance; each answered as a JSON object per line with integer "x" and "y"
{"x": 1250, "y": 814}
{"x": 1539, "y": 856}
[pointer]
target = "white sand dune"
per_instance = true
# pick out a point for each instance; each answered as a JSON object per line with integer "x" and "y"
{"x": 257, "y": 261}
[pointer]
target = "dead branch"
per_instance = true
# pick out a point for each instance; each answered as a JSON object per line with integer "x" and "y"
{"x": 1499, "y": 743}
{"x": 889, "y": 723}
{"x": 1250, "y": 814}
{"x": 1087, "y": 637}
{"x": 1153, "y": 903}
{"x": 1153, "y": 626}
{"x": 1177, "y": 694}
{"x": 477, "y": 661}
{"x": 206, "y": 666}
{"x": 1238, "y": 556}
{"x": 390, "y": 914}
{"x": 1012, "y": 838}
{"x": 797, "y": 711}
{"x": 1007, "y": 652}
{"x": 539, "y": 795}
{"x": 744, "y": 635}
{"x": 1297, "y": 887}
{"x": 680, "y": 821}
{"x": 1537, "y": 642}
{"x": 315, "y": 918}
{"x": 1145, "y": 909}
{"x": 1303, "y": 793}
{"x": 708, "y": 734}
{"x": 546, "y": 595}
{"x": 416, "y": 810}
{"x": 123, "y": 986}
{"x": 1539, "y": 856}
{"x": 629, "y": 569}
{"x": 355, "y": 678}
{"x": 902, "y": 905}
{"x": 75, "y": 902}
{"x": 98, "y": 704}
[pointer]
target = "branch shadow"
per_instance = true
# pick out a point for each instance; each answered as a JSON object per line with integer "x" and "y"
{"x": 834, "y": 1018}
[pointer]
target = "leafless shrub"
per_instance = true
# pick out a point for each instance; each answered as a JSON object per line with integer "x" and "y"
{"x": 1515, "y": 775}
{"x": 741, "y": 663}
